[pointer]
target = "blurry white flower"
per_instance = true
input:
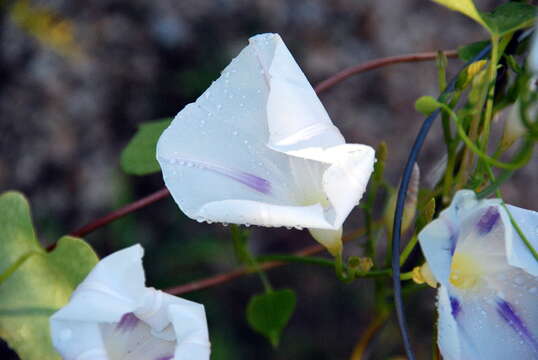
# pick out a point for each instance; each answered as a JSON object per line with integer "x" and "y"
{"x": 259, "y": 148}
{"x": 112, "y": 315}
{"x": 488, "y": 298}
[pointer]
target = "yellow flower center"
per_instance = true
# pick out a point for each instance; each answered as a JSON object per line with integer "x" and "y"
{"x": 465, "y": 271}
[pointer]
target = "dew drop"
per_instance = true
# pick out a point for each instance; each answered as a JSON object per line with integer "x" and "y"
{"x": 219, "y": 106}
{"x": 235, "y": 133}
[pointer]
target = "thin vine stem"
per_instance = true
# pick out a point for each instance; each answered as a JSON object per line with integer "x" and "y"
{"x": 377, "y": 63}
{"x": 518, "y": 163}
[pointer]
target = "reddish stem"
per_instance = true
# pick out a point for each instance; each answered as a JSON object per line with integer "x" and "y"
{"x": 116, "y": 214}
{"x": 234, "y": 274}
{"x": 377, "y": 63}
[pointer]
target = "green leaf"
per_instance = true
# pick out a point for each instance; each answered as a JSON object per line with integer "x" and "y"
{"x": 269, "y": 313}
{"x": 510, "y": 17}
{"x": 466, "y": 7}
{"x": 138, "y": 158}
{"x": 469, "y": 51}
{"x": 426, "y": 105}
{"x": 36, "y": 283}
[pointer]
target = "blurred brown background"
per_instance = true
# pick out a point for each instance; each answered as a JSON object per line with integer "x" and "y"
{"x": 76, "y": 78}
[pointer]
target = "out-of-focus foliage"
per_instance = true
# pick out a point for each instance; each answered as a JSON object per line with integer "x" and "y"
{"x": 509, "y": 17}
{"x": 465, "y": 7}
{"x": 138, "y": 158}
{"x": 46, "y": 26}
{"x": 34, "y": 283}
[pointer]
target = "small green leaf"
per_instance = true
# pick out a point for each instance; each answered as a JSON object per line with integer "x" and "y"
{"x": 467, "y": 52}
{"x": 269, "y": 313}
{"x": 466, "y": 7}
{"x": 426, "y": 105}
{"x": 36, "y": 283}
{"x": 138, "y": 158}
{"x": 510, "y": 17}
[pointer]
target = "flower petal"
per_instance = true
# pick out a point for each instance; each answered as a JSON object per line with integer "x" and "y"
{"x": 501, "y": 322}
{"x": 259, "y": 148}
{"x": 296, "y": 118}
{"x": 447, "y": 333}
{"x": 189, "y": 324}
{"x": 112, "y": 315}
{"x": 116, "y": 280}
{"x": 466, "y": 223}
{"x": 517, "y": 252}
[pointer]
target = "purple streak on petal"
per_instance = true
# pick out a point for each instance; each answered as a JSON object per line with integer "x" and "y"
{"x": 127, "y": 322}
{"x": 488, "y": 221}
{"x": 455, "y": 306}
{"x": 169, "y": 357}
{"x": 252, "y": 181}
{"x": 508, "y": 314}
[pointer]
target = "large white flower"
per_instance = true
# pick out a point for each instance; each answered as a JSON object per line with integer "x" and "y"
{"x": 488, "y": 298}
{"x": 259, "y": 148}
{"x": 112, "y": 316}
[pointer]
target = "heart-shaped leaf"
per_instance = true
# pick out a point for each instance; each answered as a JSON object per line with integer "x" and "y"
{"x": 269, "y": 313}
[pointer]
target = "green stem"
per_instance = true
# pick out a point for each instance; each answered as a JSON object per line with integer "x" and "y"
{"x": 521, "y": 234}
{"x": 475, "y": 149}
{"x": 492, "y": 75}
{"x": 408, "y": 248}
{"x": 297, "y": 259}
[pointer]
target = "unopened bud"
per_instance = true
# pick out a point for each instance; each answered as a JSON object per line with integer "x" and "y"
{"x": 423, "y": 274}
{"x": 363, "y": 264}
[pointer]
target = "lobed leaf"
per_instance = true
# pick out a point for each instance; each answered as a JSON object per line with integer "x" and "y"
{"x": 37, "y": 283}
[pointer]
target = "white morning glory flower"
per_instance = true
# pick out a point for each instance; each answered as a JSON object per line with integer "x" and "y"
{"x": 112, "y": 315}
{"x": 259, "y": 148}
{"x": 488, "y": 297}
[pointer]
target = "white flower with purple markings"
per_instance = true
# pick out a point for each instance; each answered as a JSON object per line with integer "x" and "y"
{"x": 259, "y": 148}
{"x": 488, "y": 297}
{"x": 112, "y": 315}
